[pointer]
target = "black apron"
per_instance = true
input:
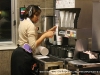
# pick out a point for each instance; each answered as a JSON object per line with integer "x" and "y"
{"x": 21, "y": 63}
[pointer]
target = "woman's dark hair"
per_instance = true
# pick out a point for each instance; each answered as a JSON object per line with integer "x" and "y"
{"x": 31, "y": 10}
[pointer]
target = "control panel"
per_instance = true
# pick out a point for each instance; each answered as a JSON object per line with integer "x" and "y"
{"x": 67, "y": 32}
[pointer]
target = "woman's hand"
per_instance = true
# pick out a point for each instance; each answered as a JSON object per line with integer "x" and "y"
{"x": 53, "y": 28}
{"x": 49, "y": 34}
{"x": 33, "y": 66}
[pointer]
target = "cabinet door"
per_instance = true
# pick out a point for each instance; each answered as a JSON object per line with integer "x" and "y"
{"x": 96, "y": 26}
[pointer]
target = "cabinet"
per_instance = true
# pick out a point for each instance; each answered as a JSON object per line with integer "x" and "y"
{"x": 96, "y": 26}
{"x": 85, "y": 18}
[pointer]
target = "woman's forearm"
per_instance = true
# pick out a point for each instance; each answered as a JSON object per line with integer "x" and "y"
{"x": 40, "y": 34}
{"x": 39, "y": 40}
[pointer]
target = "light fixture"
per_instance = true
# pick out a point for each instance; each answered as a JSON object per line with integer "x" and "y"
{"x": 0, "y": 12}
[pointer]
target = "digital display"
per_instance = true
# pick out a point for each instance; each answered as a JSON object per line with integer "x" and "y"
{"x": 68, "y": 32}
{"x": 62, "y": 32}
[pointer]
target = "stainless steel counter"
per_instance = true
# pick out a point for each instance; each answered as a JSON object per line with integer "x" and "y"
{"x": 82, "y": 64}
{"x": 50, "y": 61}
{"x": 87, "y": 67}
{"x": 45, "y": 62}
{"x": 79, "y": 65}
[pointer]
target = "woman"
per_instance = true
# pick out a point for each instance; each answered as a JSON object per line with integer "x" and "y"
{"x": 21, "y": 60}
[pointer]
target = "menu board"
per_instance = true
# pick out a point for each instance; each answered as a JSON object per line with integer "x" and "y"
{"x": 65, "y": 3}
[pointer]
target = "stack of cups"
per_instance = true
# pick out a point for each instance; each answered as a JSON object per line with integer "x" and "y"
{"x": 40, "y": 50}
{"x": 62, "y": 18}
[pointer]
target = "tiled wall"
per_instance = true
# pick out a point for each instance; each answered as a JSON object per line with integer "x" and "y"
{"x": 47, "y": 9}
{"x": 5, "y": 57}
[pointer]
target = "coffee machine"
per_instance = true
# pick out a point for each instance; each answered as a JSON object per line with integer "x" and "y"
{"x": 73, "y": 39}
{"x": 77, "y": 37}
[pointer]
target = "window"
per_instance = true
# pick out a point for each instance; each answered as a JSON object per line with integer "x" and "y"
{"x": 7, "y": 23}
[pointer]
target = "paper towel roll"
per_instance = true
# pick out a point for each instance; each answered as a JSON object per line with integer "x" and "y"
{"x": 42, "y": 50}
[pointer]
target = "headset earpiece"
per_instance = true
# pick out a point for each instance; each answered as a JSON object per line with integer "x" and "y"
{"x": 30, "y": 12}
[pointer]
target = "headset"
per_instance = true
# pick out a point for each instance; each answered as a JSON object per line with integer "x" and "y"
{"x": 30, "y": 13}
{"x": 32, "y": 10}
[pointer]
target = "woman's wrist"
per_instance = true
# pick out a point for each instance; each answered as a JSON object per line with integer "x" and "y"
{"x": 43, "y": 36}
